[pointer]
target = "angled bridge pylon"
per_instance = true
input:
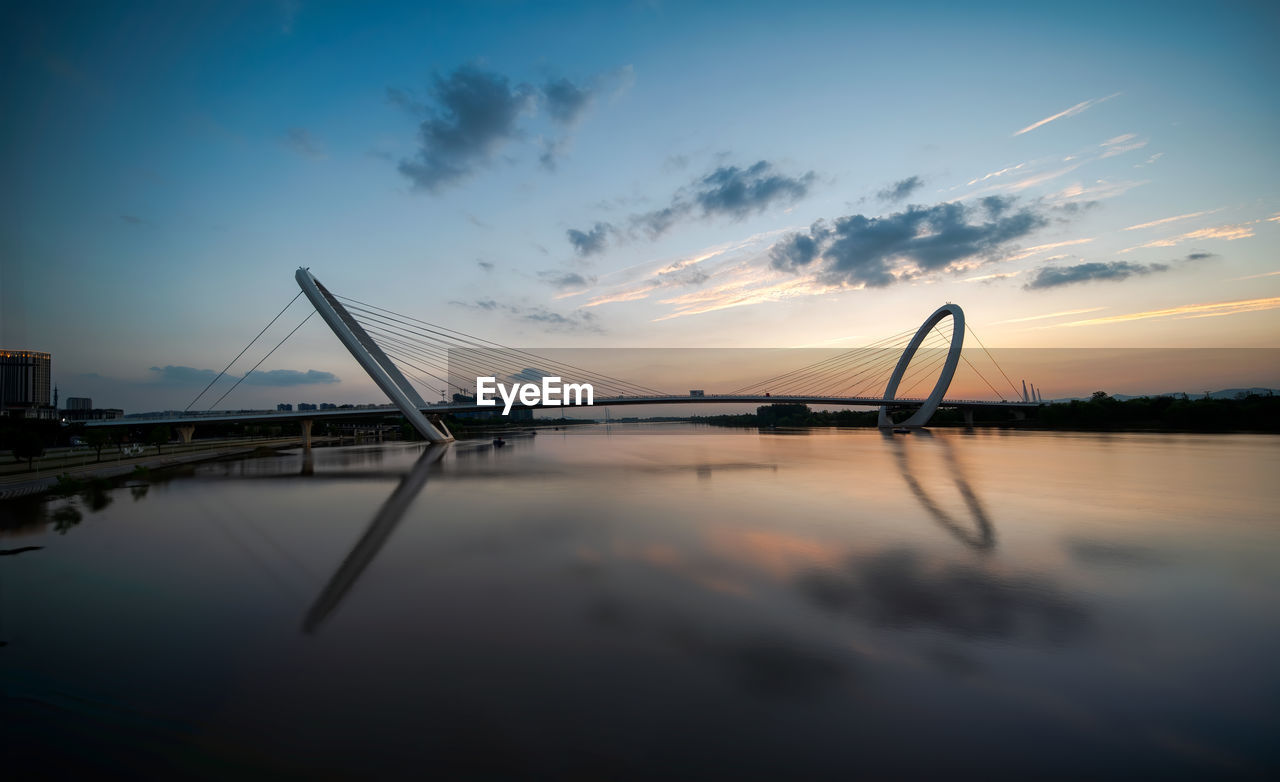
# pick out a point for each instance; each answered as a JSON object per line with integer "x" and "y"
{"x": 371, "y": 358}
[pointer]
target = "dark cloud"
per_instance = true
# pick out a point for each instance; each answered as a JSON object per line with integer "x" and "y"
{"x": 1200, "y": 256}
{"x": 659, "y": 221}
{"x": 170, "y": 375}
{"x": 565, "y": 280}
{"x": 538, "y": 315}
{"x": 485, "y": 265}
{"x": 901, "y": 189}
{"x": 726, "y": 191}
{"x": 590, "y": 242}
{"x": 1057, "y": 276}
{"x": 301, "y": 141}
{"x": 565, "y": 100}
{"x": 473, "y": 113}
{"x": 740, "y": 192}
{"x": 868, "y": 250}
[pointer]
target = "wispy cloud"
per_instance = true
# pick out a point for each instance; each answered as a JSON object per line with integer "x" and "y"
{"x": 1071, "y": 112}
{"x": 1210, "y": 310}
{"x": 301, "y": 141}
{"x": 1062, "y": 314}
{"x": 1256, "y": 276}
{"x": 1030, "y": 251}
{"x": 1228, "y": 233}
{"x": 1174, "y": 219}
{"x": 1122, "y": 144}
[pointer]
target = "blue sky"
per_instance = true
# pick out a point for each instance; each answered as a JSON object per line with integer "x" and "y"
{"x": 770, "y": 175}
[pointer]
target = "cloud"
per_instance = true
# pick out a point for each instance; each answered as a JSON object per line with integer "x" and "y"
{"x": 878, "y": 251}
{"x": 565, "y": 100}
{"x": 473, "y": 114}
{"x": 180, "y": 376}
{"x": 1049, "y": 315}
{"x": 1071, "y": 112}
{"x": 1121, "y": 144}
{"x": 565, "y": 280}
{"x": 538, "y": 315}
{"x": 1175, "y": 218}
{"x": 1057, "y": 276}
{"x": 485, "y": 265}
{"x": 590, "y": 242}
{"x": 301, "y": 141}
{"x": 1209, "y": 310}
{"x": 739, "y": 192}
{"x": 901, "y": 189}
{"x": 1030, "y": 251}
{"x": 133, "y": 220}
{"x": 1228, "y": 233}
{"x": 727, "y": 191}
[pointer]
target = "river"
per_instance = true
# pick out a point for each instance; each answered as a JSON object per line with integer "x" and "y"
{"x": 637, "y": 601}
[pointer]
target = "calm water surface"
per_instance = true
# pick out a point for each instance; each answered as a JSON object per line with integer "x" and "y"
{"x": 667, "y": 601}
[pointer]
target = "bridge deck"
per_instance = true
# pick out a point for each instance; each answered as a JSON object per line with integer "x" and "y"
{"x": 390, "y": 410}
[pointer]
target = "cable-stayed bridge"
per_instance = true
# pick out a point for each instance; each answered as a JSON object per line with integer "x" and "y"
{"x": 393, "y": 348}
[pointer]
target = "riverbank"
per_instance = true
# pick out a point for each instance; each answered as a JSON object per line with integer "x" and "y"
{"x": 26, "y": 484}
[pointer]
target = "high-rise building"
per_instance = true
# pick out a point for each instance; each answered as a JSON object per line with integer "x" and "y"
{"x": 24, "y": 379}
{"x": 79, "y": 403}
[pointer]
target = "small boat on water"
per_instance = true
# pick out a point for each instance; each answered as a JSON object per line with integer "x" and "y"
{"x": 498, "y": 442}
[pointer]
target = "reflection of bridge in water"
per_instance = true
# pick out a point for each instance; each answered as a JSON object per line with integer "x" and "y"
{"x": 412, "y": 483}
{"x": 391, "y": 347}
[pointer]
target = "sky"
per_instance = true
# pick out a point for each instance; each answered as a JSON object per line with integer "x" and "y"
{"x": 634, "y": 174}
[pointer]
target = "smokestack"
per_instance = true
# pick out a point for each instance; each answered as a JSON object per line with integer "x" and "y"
{"x": 1025, "y": 398}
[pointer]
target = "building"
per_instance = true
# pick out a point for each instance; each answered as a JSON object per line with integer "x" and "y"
{"x": 24, "y": 383}
{"x": 285, "y": 407}
{"x": 79, "y": 403}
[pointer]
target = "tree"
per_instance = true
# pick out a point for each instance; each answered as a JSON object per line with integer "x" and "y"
{"x": 98, "y": 439}
{"x": 158, "y": 436}
{"x": 27, "y": 445}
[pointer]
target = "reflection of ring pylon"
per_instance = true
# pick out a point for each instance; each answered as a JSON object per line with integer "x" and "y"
{"x": 375, "y": 536}
{"x": 984, "y": 539}
{"x": 926, "y": 410}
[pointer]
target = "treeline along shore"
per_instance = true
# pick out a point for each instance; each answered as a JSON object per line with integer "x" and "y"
{"x": 1101, "y": 412}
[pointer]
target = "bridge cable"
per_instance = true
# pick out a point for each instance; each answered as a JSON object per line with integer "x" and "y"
{"x": 264, "y": 358}
{"x": 993, "y": 360}
{"x": 474, "y": 343}
{"x": 241, "y": 353}
{"x": 999, "y": 395}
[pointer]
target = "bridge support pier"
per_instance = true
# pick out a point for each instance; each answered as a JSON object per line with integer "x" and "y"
{"x": 1019, "y": 415}
{"x": 306, "y": 432}
{"x": 968, "y": 416}
{"x": 186, "y": 433}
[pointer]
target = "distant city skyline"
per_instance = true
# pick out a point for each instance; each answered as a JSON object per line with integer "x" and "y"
{"x": 630, "y": 175}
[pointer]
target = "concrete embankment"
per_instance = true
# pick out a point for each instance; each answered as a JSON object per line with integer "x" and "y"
{"x": 25, "y": 485}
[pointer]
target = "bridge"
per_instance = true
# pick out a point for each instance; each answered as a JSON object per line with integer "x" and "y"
{"x": 408, "y": 346}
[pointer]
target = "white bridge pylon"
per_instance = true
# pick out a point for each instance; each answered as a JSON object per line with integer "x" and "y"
{"x": 930, "y": 406}
{"x": 372, "y": 359}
